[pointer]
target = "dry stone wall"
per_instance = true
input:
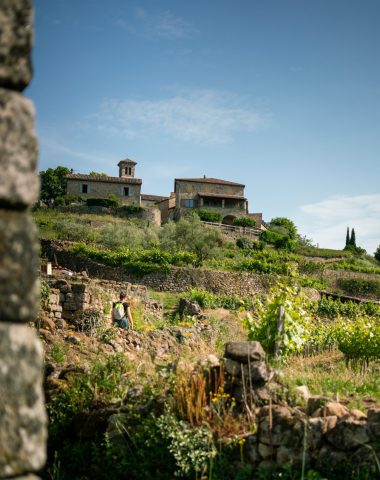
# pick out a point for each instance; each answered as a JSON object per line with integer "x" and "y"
{"x": 69, "y": 299}
{"x": 22, "y": 413}
{"x": 177, "y": 280}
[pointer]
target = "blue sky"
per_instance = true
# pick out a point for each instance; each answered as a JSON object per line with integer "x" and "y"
{"x": 281, "y": 95}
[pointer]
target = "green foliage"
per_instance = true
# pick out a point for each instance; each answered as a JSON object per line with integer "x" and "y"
{"x": 284, "y": 226}
{"x": 266, "y": 262}
{"x": 285, "y": 243}
{"x": 359, "y": 340}
{"x": 247, "y": 244}
{"x": 354, "y": 264}
{"x": 68, "y": 199}
{"x": 131, "y": 209}
{"x": 268, "y": 236}
{"x": 53, "y": 182}
{"x": 192, "y": 448}
{"x": 208, "y": 215}
{"x": 358, "y": 286}
{"x": 190, "y": 234}
{"x": 109, "y": 202}
{"x": 58, "y": 353}
{"x": 74, "y": 231}
{"x": 352, "y": 240}
{"x": 309, "y": 267}
{"x": 297, "y": 322}
{"x": 310, "y": 251}
{"x": 210, "y": 300}
{"x": 377, "y": 254}
{"x": 330, "y": 308}
{"x": 244, "y": 222}
{"x": 347, "y": 236}
{"x": 140, "y": 262}
{"x": 44, "y": 293}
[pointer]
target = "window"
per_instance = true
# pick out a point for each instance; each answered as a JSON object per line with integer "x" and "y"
{"x": 128, "y": 170}
{"x": 188, "y": 203}
{"x": 126, "y": 191}
{"x": 84, "y": 188}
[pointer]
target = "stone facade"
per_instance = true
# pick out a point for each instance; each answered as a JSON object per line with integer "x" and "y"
{"x": 125, "y": 189}
{"x": 22, "y": 413}
{"x": 221, "y": 196}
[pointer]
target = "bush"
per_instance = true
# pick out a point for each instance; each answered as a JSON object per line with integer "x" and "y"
{"x": 358, "y": 286}
{"x": 68, "y": 200}
{"x": 131, "y": 209}
{"x": 244, "y": 222}
{"x": 284, "y": 226}
{"x": 246, "y": 244}
{"x": 102, "y": 202}
{"x": 268, "y": 236}
{"x": 285, "y": 243}
{"x": 208, "y": 215}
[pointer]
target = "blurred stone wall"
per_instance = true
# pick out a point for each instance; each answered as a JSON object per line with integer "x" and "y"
{"x": 22, "y": 412}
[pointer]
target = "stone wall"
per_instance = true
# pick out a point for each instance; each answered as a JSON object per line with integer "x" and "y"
{"x": 22, "y": 413}
{"x": 98, "y": 189}
{"x": 177, "y": 280}
{"x": 326, "y": 435}
{"x": 69, "y": 298}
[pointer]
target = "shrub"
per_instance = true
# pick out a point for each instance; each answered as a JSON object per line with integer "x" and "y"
{"x": 358, "y": 286}
{"x": 130, "y": 209}
{"x": 68, "y": 200}
{"x": 377, "y": 254}
{"x": 285, "y": 243}
{"x": 296, "y": 323}
{"x": 268, "y": 236}
{"x": 73, "y": 230}
{"x": 102, "y": 202}
{"x": 246, "y": 244}
{"x": 284, "y": 226}
{"x": 208, "y": 215}
{"x": 244, "y": 222}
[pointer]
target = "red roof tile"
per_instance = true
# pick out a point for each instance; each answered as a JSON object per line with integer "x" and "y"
{"x": 209, "y": 180}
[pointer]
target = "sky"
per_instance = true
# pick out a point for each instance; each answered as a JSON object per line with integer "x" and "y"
{"x": 281, "y": 95}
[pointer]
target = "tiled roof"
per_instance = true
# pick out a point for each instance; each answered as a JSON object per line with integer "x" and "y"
{"x": 100, "y": 178}
{"x": 153, "y": 198}
{"x": 220, "y": 195}
{"x": 217, "y": 181}
{"x": 128, "y": 160}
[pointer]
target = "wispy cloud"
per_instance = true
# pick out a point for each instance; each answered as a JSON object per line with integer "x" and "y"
{"x": 326, "y": 221}
{"x": 52, "y": 146}
{"x": 201, "y": 116}
{"x": 164, "y": 25}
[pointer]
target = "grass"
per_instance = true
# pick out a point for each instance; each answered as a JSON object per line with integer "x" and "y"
{"x": 326, "y": 374}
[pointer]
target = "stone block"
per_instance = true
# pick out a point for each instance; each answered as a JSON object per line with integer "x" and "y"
{"x": 244, "y": 351}
{"x": 19, "y": 262}
{"x": 19, "y": 182}
{"x": 348, "y": 434}
{"x": 16, "y": 36}
{"x": 22, "y": 413}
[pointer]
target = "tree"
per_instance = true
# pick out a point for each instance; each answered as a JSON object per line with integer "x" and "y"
{"x": 53, "y": 183}
{"x": 348, "y": 236}
{"x": 284, "y": 226}
{"x": 352, "y": 238}
{"x": 377, "y": 254}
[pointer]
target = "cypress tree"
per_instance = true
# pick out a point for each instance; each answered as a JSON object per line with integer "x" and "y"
{"x": 353, "y": 238}
{"x": 347, "y": 236}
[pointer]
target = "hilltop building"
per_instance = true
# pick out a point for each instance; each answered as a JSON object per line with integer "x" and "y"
{"x": 222, "y": 196}
{"x": 125, "y": 187}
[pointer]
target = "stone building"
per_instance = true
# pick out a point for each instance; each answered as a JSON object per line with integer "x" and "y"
{"x": 125, "y": 187}
{"x": 222, "y": 196}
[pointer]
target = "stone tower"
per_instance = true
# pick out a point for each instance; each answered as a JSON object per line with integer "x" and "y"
{"x": 126, "y": 168}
